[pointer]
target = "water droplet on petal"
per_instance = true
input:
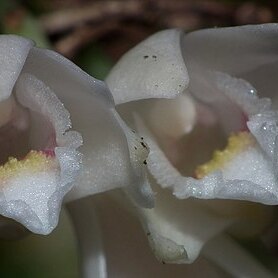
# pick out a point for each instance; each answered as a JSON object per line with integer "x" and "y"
{"x": 252, "y": 92}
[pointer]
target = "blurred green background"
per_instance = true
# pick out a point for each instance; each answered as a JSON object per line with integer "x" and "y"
{"x": 94, "y": 34}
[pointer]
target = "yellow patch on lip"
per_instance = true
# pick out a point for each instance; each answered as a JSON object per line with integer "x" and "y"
{"x": 236, "y": 143}
{"x": 34, "y": 161}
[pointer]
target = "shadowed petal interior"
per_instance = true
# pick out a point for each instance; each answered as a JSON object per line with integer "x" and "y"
{"x": 34, "y": 183}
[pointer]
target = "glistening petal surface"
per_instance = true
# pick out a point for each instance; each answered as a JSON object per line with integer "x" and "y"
{"x": 106, "y": 163}
{"x": 13, "y": 53}
{"x": 249, "y": 51}
{"x": 152, "y": 69}
{"x": 33, "y": 187}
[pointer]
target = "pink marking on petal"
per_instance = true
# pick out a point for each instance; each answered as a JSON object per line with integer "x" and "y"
{"x": 49, "y": 152}
{"x": 244, "y": 120}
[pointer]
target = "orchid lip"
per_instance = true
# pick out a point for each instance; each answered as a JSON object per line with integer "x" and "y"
{"x": 221, "y": 125}
{"x": 15, "y": 135}
{"x": 250, "y": 173}
{"x": 221, "y": 106}
{"x": 39, "y": 157}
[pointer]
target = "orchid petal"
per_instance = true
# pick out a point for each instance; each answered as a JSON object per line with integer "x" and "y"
{"x": 153, "y": 69}
{"x": 243, "y": 48}
{"x": 139, "y": 189}
{"x": 106, "y": 156}
{"x": 13, "y": 53}
{"x": 168, "y": 117}
{"x": 249, "y": 52}
{"x": 219, "y": 64}
{"x": 178, "y": 230}
{"x": 174, "y": 228}
{"x": 256, "y": 183}
{"x": 32, "y": 188}
{"x": 125, "y": 241}
{"x": 210, "y": 187}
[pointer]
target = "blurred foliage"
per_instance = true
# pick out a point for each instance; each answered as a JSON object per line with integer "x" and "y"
{"x": 94, "y": 61}
{"x": 27, "y": 27}
{"x": 14, "y": 19}
{"x": 6, "y": 6}
{"x": 52, "y": 256}
{"x": 257, "y": 248}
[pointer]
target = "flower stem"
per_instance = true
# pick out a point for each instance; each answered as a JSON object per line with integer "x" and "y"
{"x": 87, "y": 230}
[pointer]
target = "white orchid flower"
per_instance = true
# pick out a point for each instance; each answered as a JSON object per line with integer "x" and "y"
{"x": 42, "y": 95}
{"x": 199, "y": 102}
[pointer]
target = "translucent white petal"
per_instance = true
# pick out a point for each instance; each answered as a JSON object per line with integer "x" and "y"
{"x": 256, "y": 183}
{"x": 264, "y": 79}
{"x": 106, "y": 160}
{"x": 177, "y": 230}
{"x": 127, "y": 249}
{"x": 234, "y": 50}
{"x": 32, "y": 193}
{"x": 264, "y": 127}
{"x": 13, "y": 53}
{"x": 33, "y": 199}
{"x": 6, "y": 110}
{"x": 153, "y": 69}
{"x": 39, "y": 99}
{"x": 168, "y": 119}
{"x": 251, "y": 175}
{"x": 173, "y": 117}
{"x": 139, "y": 189}
{"x": 249, "y": 52}
{"x": 241, "y": 93}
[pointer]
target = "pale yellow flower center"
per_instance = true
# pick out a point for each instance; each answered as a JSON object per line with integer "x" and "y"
{"x": 34, "y": 161}
{"x": 236, "y": 144}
